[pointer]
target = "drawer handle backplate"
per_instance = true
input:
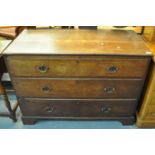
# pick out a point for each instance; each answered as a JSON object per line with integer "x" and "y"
{"x": 105, "y": 110}
{"x": 43, "y": 68}
{"x": 46, "y": 89}
{"x": 48, "y": 109}
{"x": 109, "y": 90}
{"x": 112, "y": 69}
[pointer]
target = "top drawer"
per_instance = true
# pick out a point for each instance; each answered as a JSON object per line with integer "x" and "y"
{"x": 77, "y": 66}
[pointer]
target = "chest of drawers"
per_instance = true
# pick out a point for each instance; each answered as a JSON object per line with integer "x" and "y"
{"x": 78, "y": 74}
{"x": 146, "y": 114}
{"x": 149, "y": 33}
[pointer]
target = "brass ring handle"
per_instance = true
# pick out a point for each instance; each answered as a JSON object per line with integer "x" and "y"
{"x": 48, "y": 109}
{"x": 46, "y": 89}
{"x": 109, "y": 90}
{"x": 42, "y": 68}
{"x": 112, "y": 69}
{"x": 105, "y": 110}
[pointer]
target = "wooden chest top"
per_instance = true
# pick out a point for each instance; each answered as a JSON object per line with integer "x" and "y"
{"x": 78, "y": 42}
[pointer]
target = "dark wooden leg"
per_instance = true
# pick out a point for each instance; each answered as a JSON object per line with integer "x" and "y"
{"x": 128, "y": 121}
{"x": 7, "y": 103}
{"x": 13, "y": 117}
{"x": 28, "y": 121}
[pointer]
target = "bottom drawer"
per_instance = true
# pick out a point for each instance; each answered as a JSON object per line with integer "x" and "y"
{"x": 77, "y": 108}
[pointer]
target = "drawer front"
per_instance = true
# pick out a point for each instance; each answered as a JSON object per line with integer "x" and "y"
{"x": 75, "y": 66}
{"x": 150, "y": 113}
{"x": 77, "y": 108}
{"x": 77, "y": 88}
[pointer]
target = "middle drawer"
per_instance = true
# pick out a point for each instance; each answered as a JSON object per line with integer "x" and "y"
{"x": 77, "y": 88}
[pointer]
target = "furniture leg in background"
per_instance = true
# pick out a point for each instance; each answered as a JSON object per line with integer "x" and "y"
{"x": 12, "y": 111}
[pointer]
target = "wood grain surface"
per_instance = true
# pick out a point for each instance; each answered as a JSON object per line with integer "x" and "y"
{"x": 95, "y": 42}
{"x": 77, "y": 108}
{"x": 77, "y": 66}
{"x": 78, "y": 88}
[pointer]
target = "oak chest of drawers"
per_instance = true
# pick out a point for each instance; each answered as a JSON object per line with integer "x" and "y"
{"x": 146, "y": 114}
{"x": 78, "y": 74}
